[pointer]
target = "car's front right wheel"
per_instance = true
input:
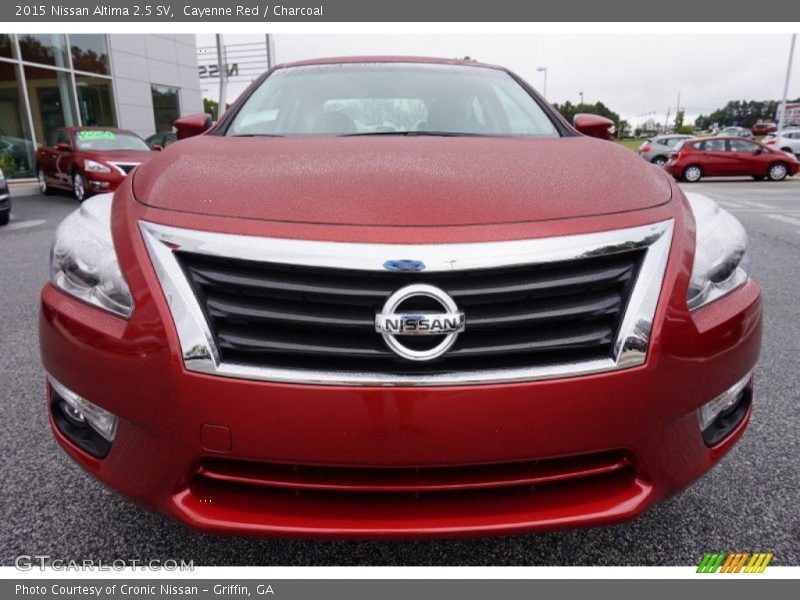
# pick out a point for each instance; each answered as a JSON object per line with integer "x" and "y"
{"x": 42, "y": 180}
{"x": 79, "y": 186}
{"x": 777, "y": 171}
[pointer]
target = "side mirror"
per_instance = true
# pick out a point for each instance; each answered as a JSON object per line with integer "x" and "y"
{"x": 594, "y": 126}
{"x": 192, "y": 125}
{"x": 62, "y": 147}
{"x": 156, "y": 147}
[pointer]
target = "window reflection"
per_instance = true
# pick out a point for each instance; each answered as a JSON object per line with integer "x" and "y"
{"x": 95, "y": 101}
{"x": 89, "y": 52}
{"x": 44, "y": 48}
{"x": 50, "y": 96}
{"x": 16, "y": 148}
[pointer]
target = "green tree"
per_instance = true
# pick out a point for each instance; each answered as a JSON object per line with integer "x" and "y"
{"x": 569, "y": 110}
{"x": 744, "y": 113}
{"x": 211, "y": 107}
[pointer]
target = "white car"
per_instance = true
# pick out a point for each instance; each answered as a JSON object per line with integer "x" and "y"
{"x": 789, "y": 141}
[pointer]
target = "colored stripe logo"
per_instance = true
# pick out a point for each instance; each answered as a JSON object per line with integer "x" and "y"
{"x": 739, "y": 562}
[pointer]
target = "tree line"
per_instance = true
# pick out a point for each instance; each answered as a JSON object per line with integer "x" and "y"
{"x": 744, "y": 113}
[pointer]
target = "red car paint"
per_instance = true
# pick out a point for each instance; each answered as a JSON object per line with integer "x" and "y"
{"x": 61, "y": 162}
{"x": 718, "y": 157}
{"x": 255, "y": 457}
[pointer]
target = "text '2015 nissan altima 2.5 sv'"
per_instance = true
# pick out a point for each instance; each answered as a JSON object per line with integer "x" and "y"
{"x": 394, "y": 297}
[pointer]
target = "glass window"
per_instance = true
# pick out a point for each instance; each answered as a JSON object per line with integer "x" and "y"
{"x": 715, "y": 145}
{"x": 108, "y": 139}
{"x": 743, "y": 146}
{"x": 95, "y": 101}
{"x": 5, "y": 46}
{"x": 50, "y": 95}
{"x": 62, "y": 137}
{"x": 89, "y": 52}
{"x": 52, "y": 139}
{"x": 44, "y": 48}
{"x": 165, "y": 106}
{"x": 16, "y": 144}
{"x": 391, "y": 97}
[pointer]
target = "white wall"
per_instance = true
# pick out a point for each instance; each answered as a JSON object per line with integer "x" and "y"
{"x": 139, "y": 61}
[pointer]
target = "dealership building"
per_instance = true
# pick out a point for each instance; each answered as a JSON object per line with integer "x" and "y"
{"x": 137, "y": 82}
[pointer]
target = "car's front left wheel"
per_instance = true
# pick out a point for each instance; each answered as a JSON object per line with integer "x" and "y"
{"x": 5, "y": 218}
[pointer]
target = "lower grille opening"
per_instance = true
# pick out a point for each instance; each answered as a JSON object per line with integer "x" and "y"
{"x": 323, "y": 501}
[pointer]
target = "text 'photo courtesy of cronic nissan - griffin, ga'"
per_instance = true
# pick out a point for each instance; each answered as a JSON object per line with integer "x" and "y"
{"x": 471, "y": 318}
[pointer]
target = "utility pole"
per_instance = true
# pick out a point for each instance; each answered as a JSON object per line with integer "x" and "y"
{"x": 544, "y": 90}
{"x": 677, "y": 110}
{"x": 222, "y": 62}
{"x": 271, "y": 52}
{"x": 666, "y": 121}
{"x": 782, "y": 109}
{"x": 581, "y": 95}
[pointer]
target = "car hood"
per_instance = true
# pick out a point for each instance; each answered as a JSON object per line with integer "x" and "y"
{"x": 399, "y": 180}
{"x": 123, "y": 156}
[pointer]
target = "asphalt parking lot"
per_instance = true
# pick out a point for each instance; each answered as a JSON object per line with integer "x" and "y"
{"x": 747, "y": 503}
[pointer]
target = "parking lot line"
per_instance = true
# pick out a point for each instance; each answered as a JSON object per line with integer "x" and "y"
{"x": 23, "y": 225}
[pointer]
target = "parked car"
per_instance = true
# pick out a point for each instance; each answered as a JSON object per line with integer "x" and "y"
{"x": 762, "y": 128}
{"x": 5, "y": 200}
{"x": 789, "y": 141}
{"x": 161, "y": 139}
{"x": 474, "y": 320}
{"x": 88, "y": 160}
{"x": 742, "y": 132}
{"x": 656, "y": 149}
{"x": 729, "y": 157}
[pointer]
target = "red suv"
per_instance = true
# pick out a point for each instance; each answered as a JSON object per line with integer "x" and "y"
{"x": 88, "y": 160}
{"x": 729, "y": 157}
{"x": 393, "y": 297}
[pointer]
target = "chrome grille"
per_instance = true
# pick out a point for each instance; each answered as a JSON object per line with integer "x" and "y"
{"x": 303, "y": 311}
{"x": 264, "y": 313}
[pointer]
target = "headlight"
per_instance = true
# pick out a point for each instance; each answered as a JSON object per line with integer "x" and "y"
{"x": 83, "y": 262}
{"x": 96, "y": 167}
{"x": 720, "y": 256}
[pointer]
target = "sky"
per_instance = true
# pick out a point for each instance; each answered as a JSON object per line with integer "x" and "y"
{"x": 633, "y": 74}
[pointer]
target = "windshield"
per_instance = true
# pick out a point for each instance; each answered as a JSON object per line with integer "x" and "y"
{"x": 391, "y": 98}
{"x": 105, "y": 139}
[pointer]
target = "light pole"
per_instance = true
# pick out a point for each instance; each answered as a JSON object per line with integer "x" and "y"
{"x": 782, "y": 108}
{"x": 544, "y": 90}
{"x": 581, "y": 95}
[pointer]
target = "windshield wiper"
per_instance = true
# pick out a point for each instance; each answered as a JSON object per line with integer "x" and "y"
{"x": 416, "y": 133}
{"x": 256, "y": 135}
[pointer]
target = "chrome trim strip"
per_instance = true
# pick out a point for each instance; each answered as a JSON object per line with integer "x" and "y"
{"x": 200, "y": 353}
{"x": 118, "y": 166}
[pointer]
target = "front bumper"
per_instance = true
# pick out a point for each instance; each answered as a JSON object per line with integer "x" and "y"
{"x": 619, "y": 441}
{"x": 98, "y": 182}
{"x": 256, "y": 457}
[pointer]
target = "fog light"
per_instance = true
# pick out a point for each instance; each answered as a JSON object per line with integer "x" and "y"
{"x": 100, "y": 185}
{"x": 84, "y": 423}
{"x": 721, "y": 415}
{"x": 73, "y": 416}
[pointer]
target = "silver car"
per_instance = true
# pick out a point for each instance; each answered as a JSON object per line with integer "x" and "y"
{"x": 656, "y": 149}
{"x": 789, "y": 141}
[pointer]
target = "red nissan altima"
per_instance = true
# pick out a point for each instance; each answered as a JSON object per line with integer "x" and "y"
{"x": 88, "y": 160}
{"x": 394, "y": 297}
{"x": 729, "y": 157}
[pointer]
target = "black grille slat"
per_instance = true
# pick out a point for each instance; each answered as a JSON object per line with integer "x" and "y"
{"x": 288, "y": 316}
